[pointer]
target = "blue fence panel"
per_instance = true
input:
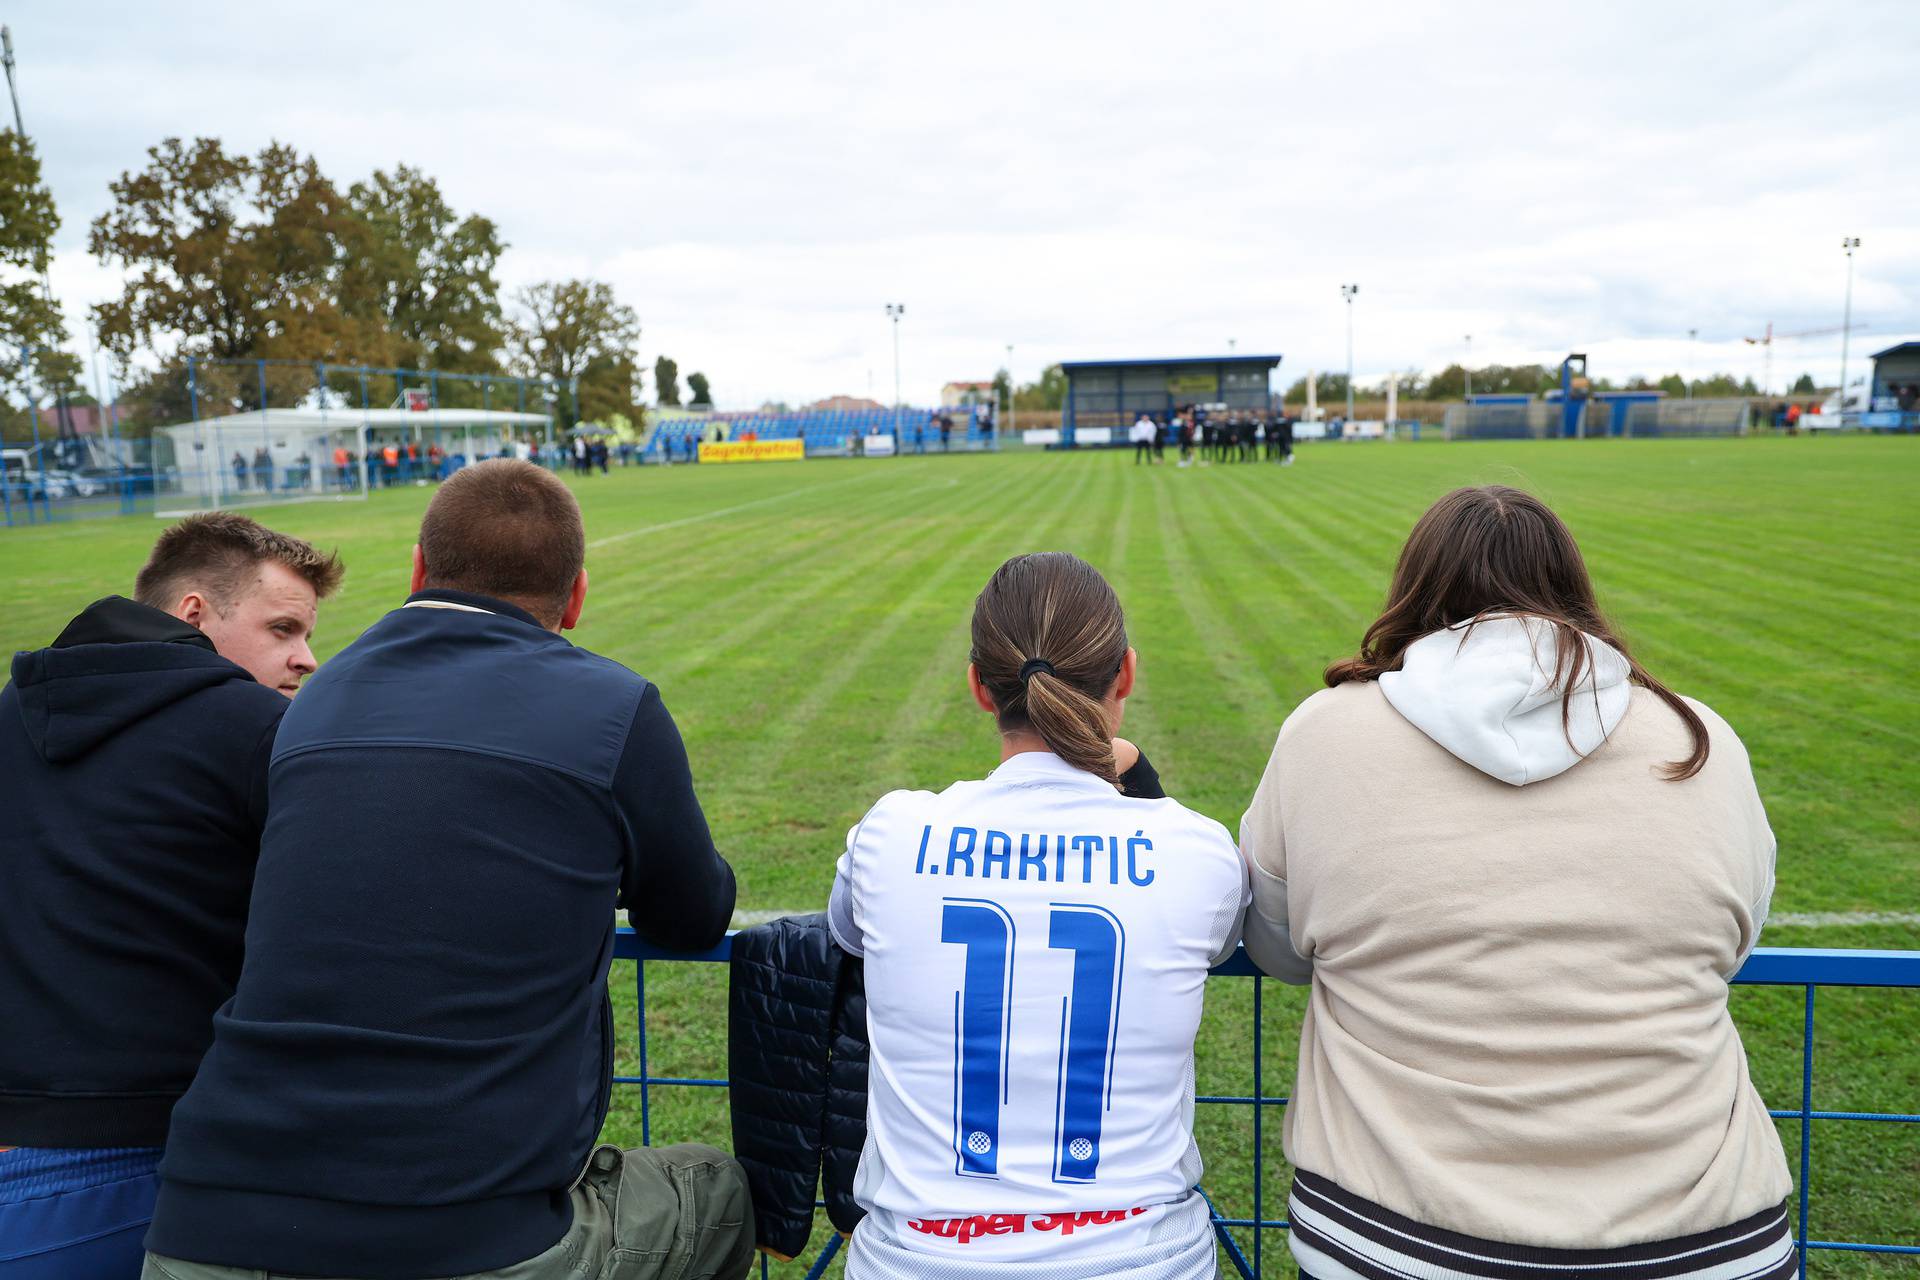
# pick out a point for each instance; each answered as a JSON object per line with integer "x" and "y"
{"x": 1808, "y": 969}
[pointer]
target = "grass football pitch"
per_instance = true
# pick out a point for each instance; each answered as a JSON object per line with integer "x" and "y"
{"x": 807, "y": 625}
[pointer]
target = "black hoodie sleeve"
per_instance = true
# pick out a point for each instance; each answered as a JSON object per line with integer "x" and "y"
{"x": 677, "y": 889}
{"x": 1142, "y": 782}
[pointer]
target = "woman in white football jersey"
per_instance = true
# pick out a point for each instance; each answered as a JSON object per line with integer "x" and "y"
{"x": 1036, "y": 943}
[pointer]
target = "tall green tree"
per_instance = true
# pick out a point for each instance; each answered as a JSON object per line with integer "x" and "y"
{"x": 28, "y": 318}
{"x": 570, "y": 329}
{"x": 666, "y": 380}
{"x": 1803, "y": 385}
{"x": 702, "y": 393}
{"x": 1448, "y": 384}
{"x": 1327, "y": 389}
{"x": 232, "y": 256}
{"x": 610, "y": 388}
{"x": 424, "y": 273}
{"x": 1048, "y": 391}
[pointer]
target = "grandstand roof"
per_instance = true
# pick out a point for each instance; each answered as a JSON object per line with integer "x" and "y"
{"x": 1898, "y": 348}
{"x": 1162, "y": 361}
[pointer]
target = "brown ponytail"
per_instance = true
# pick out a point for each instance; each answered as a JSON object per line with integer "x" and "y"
{"x": 1048, "y": 639}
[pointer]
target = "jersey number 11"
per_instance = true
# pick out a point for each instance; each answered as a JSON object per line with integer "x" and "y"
{"x": 982, "y": 1016}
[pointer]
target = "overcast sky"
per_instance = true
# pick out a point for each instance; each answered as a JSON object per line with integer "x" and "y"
{"x": 1097, "y": 180}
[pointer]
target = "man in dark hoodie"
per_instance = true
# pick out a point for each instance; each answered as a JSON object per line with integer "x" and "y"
{"x": 413, "y": 1070}
{"x": 134, "y": 756}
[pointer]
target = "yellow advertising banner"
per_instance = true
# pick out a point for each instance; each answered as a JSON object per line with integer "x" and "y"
{"x": 1196, "y": 385}
{"x": 754, "y": 451}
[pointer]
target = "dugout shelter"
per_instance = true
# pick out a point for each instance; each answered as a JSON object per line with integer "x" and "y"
{"x": 1104, "y": 397}
{"x": 1896, "y": 368}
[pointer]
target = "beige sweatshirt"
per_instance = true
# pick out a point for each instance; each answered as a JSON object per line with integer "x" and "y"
{"x": 1518, "y": 1025}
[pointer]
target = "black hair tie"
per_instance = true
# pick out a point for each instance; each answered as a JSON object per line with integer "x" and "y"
{"x": 1036, "y": 664}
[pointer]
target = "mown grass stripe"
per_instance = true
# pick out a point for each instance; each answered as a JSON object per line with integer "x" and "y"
{"x": 952, "y": 561}
{"x": 925, "y": 705}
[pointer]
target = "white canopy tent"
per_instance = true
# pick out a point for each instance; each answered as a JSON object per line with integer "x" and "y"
{"x": 300, "y": 443}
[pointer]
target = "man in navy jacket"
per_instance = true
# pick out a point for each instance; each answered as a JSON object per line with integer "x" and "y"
{"x": 133, "y": 788}
{"x": 412, "y": 1073}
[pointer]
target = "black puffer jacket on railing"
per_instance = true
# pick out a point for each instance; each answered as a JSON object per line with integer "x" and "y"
{"x": 797, "y": 1059}
{"x": 846, "y": 1096}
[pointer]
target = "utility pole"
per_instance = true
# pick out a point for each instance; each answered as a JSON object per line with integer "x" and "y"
{"x": 894, "y": 311}
{"x": 6, "y": 57}
{"x": 65, "y": 413}
{"x": 1469, "y": 368}
{"x": 1347, "y": 291}
{"x": 1849, "y": 243}
{"x": 1692, "y": 337}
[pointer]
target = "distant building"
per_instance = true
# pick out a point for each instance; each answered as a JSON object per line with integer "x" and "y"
{"x": 842, "y": 404}
{"x": 86, "y": 419}
{"x": 956, "y": 394}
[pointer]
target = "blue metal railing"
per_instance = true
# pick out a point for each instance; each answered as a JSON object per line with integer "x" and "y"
{"x": 1808, "y": 969}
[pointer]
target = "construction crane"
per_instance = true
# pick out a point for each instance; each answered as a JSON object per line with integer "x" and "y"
{"x": 1767, "y": 340}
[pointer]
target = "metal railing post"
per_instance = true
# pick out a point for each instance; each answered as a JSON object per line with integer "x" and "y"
{"x": 640, "y": 1005}
{"x": 1259, "y": 1147}
{"x": 1806, "y": 1127}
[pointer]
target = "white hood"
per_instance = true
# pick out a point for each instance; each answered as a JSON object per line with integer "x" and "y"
{"x": 1490, "y": 702}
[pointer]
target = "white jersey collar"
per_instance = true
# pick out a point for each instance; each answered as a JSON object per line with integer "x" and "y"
{"x": 444, "y": 604}
{"x": 1044, "y": 768}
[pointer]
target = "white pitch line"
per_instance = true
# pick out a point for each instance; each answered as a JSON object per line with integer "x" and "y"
{"x": 747, "y": 919}
{"x": 727, "y": 511}
{"x": 1841, "y": 919}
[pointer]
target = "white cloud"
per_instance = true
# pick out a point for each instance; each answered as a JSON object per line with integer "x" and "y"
{"x": 1126, "y": 178}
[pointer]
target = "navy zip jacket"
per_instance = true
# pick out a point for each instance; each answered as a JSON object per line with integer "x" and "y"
{"x": 133, "y": 785}
{"x": 416, "y": 1063}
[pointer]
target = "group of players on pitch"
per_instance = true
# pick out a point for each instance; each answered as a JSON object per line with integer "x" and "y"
{"x": 1234, "y": 436}
{"x": 317, "y": 985}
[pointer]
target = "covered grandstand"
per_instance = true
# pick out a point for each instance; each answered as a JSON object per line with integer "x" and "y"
{"x": 1106, "y": 396}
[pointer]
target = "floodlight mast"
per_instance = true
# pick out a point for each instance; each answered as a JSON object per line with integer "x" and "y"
{"x": 1347, "y": 291}
{"x": 1849, "y": 243}
{"x": 1012, "y": 413}
{"x": 894, "y": 311}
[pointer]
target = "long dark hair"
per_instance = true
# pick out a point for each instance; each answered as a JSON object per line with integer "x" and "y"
{"x": 1057, "y": 608}
{"x": 1495, "y": 550}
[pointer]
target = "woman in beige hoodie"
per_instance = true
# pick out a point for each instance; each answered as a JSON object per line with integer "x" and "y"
{"x": 1518, "y": 872}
